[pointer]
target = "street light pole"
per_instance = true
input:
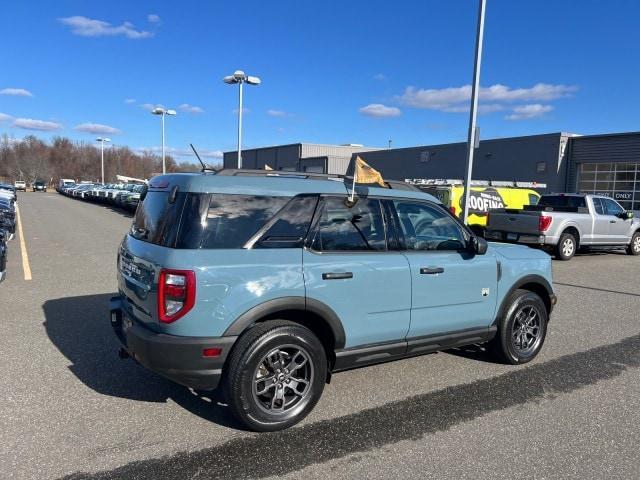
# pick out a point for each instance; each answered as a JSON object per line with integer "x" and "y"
{"x": 239, "y": 78}
{"x": 240, "y": 125}
{"x": 161, "y": 111}
{"x": 475, "y": 88}
{"x": 102, "y": 140}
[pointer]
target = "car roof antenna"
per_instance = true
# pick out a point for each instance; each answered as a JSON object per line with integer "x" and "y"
{"x": 205, "y": 167}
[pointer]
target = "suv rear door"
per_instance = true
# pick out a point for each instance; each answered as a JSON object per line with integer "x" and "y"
{"x": 452, "y": 289}
{"x": 349, "y": 266}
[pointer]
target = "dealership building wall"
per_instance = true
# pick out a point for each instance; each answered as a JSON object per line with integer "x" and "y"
{"x": 535, "y": 158}
{"x": 303, "y": 157}
{"x": 607, "y": 164}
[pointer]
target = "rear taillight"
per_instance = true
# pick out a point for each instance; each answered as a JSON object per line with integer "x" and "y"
{"x": 452, "y": 209}
{"x": 176, "y": 294}
{"x": 544, "y": 223}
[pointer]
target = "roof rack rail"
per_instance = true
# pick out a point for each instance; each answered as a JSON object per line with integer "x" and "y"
{"x": 277, "y": 173}
{"x": 393, "y": 184}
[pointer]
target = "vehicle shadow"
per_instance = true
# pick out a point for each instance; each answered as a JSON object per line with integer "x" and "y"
{"x": 79, "y": 327}
{"x": 473, "y": 352}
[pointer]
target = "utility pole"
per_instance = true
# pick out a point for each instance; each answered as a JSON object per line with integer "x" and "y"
{"x": 475, "y": 90}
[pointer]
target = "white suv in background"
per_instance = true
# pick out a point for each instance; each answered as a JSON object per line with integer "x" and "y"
{"x": 20, "y": 185}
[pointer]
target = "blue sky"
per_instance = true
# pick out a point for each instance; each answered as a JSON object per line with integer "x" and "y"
{"x": 332, "y": 71}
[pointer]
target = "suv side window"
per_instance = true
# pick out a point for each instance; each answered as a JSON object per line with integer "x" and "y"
{"x": 290, "y": 227}
{"x": 429, "y": 227}
{"x": 611, "y": 207}
{"x": 597, "y": 204}
{"x": 231, "y": 220}
{"x": 340, "y": 228}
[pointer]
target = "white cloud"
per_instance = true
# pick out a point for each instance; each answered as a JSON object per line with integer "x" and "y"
{"x": 449, "y": 99}
{"x": 96, "y": 128}
{"x": 129, "y": 101}
{"x": 278, "y": 113}
{"x": 524, "y": 112}
{"x": 16, "y": 92}
{"x": 379, "y": 110}
{"x": 185, "y": 107}
{"x": 380, "y": 77}
{"x": 4, "y": 117}
{"x": 482, "y": 108}
{"x": 153, "y": 18}
{"x": 88, "y": 27}
{"x": 150, "y": 106}
{"x": 31, "y": 124}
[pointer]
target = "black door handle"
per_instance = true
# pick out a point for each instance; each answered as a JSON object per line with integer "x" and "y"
{"x": 612, "y": 221}
{"x": 336, "y": 275}
{"x": 431, "y": 270}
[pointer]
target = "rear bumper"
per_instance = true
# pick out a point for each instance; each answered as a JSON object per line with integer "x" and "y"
{"x": 524, "y": 238}
{"x": 177, "y": 358}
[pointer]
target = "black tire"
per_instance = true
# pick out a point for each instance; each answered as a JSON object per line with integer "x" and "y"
{"x": 634, "y": 246}
{"x": 257, "y": 411}
{"x": 505, "y": 346}
{"x": 566, "y": 247}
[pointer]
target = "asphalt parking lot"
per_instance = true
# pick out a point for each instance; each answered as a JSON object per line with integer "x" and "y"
{"x": 71, "y": 408}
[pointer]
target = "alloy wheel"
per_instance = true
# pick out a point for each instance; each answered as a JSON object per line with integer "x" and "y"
{"x": 568, "y": 247}
{"x": 636, "y": 244}
{"x": 526, "y": 331}
{"x": 283, "y": 379}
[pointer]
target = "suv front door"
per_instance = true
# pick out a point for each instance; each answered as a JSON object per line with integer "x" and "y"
{"x": 452, "y": 289}
{"x": 348, "y": 266}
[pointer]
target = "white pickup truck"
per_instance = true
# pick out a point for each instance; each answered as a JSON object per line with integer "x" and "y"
{"x": 565, "y": 222}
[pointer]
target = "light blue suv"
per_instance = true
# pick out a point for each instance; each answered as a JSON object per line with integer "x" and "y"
{"x": 266, "y": 283}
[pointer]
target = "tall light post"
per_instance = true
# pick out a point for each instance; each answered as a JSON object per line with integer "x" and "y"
{"x": 162, "y": 111}
{"x": 475, "y": 89}
{"x": 239, "y": 77}
{"x": 102, "y": 140}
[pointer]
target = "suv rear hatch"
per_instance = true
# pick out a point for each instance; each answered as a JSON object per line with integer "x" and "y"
{"x": 169, "y": 228}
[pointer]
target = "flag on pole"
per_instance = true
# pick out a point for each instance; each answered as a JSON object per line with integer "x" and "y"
{"x": 365, "y": 173}
{"x": 267, "y": 167}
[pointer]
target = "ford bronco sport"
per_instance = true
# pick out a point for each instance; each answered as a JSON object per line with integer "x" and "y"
{"x": 264, "y": 284}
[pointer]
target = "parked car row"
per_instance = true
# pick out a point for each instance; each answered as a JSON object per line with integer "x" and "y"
{"x": 8, "y": 199}
{"x": 125, "y": 196}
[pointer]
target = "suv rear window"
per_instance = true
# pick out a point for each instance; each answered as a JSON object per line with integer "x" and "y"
{"x": 215, "y": 221}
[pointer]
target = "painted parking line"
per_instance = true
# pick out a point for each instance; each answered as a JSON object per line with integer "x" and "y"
{"x": 23, "y": 248}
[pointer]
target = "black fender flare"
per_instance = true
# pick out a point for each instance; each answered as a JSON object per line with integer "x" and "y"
{"x": 550, "y": 301}
{"x": 276, "y": 305}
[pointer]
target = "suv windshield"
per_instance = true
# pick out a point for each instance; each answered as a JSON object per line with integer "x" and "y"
{"x": 218, "y": 221}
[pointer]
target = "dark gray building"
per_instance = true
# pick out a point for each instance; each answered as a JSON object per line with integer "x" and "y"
{"x": 607, "y": 164}
{"x": 535, "y": 158}
{"x": 303, "y": 157}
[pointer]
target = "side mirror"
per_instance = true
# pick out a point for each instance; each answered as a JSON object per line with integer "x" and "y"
{"x": 478, "y": 245}
{"x": 628, "y": 215}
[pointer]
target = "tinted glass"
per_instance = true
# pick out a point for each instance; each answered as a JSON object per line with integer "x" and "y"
{"x": 611, "y": 207}
{"x": 291, "y": 225}
{"x": 360, "y": 227}
{"x": 233, "y": 219}
{"x": 157, "y": 220}
{"x": 533, "y": 199}
{"x": 428, "y": 227}
{"x": 562, "y": 201}
{"x": 597, "y": 204}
